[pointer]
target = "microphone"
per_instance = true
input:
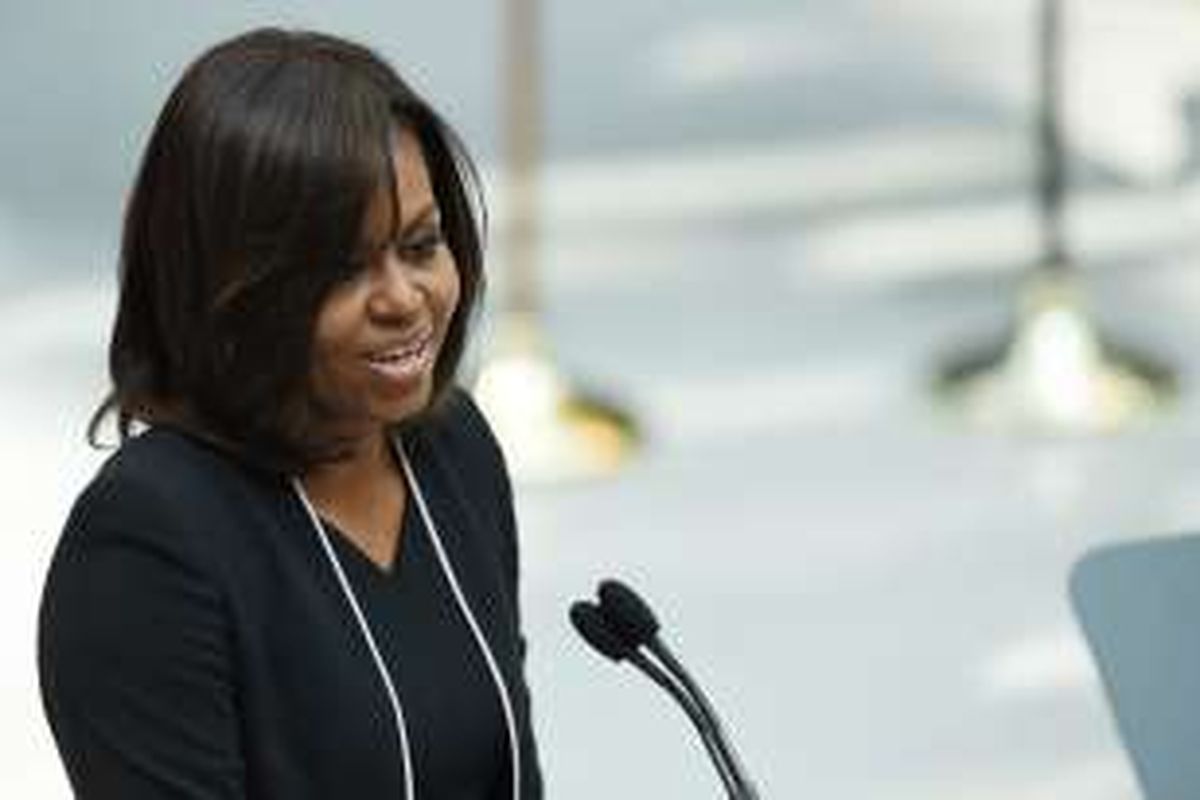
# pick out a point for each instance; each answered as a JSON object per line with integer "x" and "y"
{"x": 597, "y": 630}
{"x": 618, "y": 628}
{"x": 631, "y": 617}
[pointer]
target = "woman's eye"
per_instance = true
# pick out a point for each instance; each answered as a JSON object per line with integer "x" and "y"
{"x": 353, "y": 268}
{"x": 422, "y": 247}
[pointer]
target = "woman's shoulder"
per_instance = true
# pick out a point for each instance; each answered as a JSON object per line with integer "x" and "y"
{"x": 162, "y": 462}
{"x": 158, "y": 486}
{"x": 457, "y": 449}
{"x": 459, "y": 427}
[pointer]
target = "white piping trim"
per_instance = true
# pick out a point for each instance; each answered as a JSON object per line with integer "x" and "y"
{"x": 489, "y": 657}
{"x": 464, "y": 607}
{"x": 365, "y": 628}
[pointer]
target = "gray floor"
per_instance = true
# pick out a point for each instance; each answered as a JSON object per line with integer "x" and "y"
{"x": 764, "y": 230}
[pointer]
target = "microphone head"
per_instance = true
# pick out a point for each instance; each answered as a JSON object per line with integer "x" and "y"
{"x": 627, "y": 613}
{"x": 596, "y": 630}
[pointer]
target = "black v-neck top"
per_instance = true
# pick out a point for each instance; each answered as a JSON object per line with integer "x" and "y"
{"x": 195, "y": 643}
{"x": 452, "y": 710}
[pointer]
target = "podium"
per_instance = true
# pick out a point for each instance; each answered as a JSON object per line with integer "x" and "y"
{"x": 1139, "y": 606}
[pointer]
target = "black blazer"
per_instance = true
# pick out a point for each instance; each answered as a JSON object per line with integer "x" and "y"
{"x": 194, "y": 642}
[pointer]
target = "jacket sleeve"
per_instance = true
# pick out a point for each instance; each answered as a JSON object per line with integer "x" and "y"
{"x": 134, "y": 657}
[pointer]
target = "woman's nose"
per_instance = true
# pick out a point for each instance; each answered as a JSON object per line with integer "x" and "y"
{"x": 395, "y": 292}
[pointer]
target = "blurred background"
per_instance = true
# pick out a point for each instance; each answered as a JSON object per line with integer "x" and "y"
{"x": 765, "y": 227}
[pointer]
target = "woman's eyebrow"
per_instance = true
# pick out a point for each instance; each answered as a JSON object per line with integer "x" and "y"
{"x": 427, "y": 212}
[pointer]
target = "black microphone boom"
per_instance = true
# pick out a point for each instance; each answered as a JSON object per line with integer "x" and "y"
{"x": 632, "y": 617}
{"x": 628, "y": 612}
{"x": 619, "y": 627}
{"x": 597, "y": 630}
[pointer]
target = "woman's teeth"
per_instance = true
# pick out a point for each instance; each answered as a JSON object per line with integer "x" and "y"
{"x": 402, "y": 362}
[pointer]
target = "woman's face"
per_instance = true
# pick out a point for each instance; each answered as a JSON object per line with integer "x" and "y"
{"x": 377, "y": 336}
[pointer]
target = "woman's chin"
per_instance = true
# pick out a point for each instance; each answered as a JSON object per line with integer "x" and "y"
{"x": 395, "y": 407}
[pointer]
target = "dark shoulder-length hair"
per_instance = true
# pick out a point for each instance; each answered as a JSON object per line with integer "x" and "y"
{"x": 247, "y": 210}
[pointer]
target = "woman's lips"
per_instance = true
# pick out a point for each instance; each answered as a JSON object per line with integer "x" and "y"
{"x": 404, "y": 362}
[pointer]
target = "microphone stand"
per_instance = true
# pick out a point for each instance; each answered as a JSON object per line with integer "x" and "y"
{"x": 699, "y": 714}
{"x": 729, "y": 756}
{"x": 606, "y": 638}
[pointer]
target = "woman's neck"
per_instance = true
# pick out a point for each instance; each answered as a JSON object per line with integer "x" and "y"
{"x": 363, "y": 496}
{"x": 370, "y": 463}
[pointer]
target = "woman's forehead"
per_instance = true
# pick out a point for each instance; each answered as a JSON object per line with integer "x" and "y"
{"x": 414, "y": 189}
{"x": 402, "y": 197}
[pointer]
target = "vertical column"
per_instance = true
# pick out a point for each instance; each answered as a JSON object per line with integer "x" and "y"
{"x": 551, "y": 429}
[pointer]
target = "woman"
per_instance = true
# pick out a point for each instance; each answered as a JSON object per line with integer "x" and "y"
{"x": 297, "y": 576}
